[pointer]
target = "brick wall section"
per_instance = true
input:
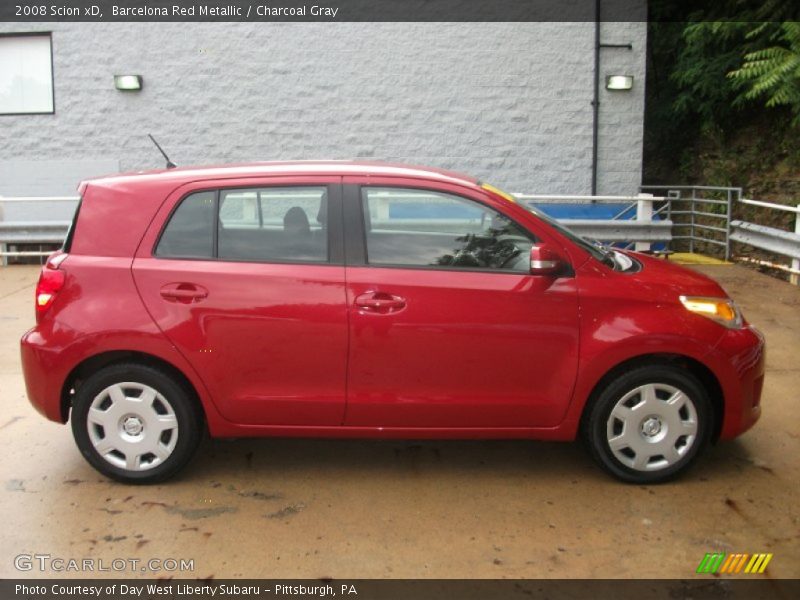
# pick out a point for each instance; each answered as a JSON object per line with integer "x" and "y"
{"x": 509, "y": 102}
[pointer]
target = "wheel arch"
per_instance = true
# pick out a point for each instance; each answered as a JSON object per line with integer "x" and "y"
{"x": 94, "y": 363}
{"x": 705, "y": 375}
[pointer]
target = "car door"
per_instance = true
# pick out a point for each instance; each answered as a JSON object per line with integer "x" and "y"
{"x": 246, "y": 279}
{"x": 448, "y": 327}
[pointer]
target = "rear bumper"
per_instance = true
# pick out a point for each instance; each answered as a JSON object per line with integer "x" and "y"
{"x": 739, "y": 360}
{"x": 43, "y": 376}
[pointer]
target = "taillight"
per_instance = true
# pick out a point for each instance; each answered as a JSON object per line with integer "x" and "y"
{"x": 51, "y": 280}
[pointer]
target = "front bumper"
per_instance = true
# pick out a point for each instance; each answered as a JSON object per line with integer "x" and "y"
{"x": 739, "y": 360}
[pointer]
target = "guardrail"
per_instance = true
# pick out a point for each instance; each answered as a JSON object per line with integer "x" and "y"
{"x": 697, "y": 214}
{"x": 639, "y": 223}
{"x": 33, "y": 233}
{"x": 42, "y": 220}
{"x": 771, "y": 239}
{"x": 766, "y": 238}
{"x": 641, "y": 231}
{"x": 704, "y": 215}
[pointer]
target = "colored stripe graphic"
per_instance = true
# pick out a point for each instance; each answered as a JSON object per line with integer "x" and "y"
{"x": 734, "y": 563}
{"x": 711, "y": 562}
{"x": 720, "y": 562}
{"x": 732, "y": 558}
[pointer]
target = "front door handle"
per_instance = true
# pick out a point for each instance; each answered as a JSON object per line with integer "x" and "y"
{"x": 185, "y": 293}
{"x": 380, "y": 302}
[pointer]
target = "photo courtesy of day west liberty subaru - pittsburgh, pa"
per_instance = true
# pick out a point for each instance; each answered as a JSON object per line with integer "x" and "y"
{"x": 357, "y": 299}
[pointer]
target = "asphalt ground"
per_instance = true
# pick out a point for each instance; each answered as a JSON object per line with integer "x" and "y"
{"x": 388, "y": 509}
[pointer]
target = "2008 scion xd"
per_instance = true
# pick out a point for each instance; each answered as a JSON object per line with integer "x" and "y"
{"x": 368, "y": 300}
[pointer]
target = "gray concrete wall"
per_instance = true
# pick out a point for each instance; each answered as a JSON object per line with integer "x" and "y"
{"x": 508, "y": 102}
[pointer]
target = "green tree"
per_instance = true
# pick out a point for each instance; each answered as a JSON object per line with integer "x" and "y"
{"x": 772, "y": 73}
{"x": 723, "y": 93}
{"x": 732, "y": 55}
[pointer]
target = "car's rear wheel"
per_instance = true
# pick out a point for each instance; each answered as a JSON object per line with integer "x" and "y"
{"x": 649, "y": 424}
{"x": 135, "y": 423}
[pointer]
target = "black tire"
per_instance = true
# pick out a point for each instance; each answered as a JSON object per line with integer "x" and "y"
{"x": 179, "y": 399}
{"x": 596, "y": 427}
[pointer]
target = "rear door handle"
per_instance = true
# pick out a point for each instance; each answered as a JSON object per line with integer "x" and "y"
{"x": 185, "y": 293}
{"x": 380, "y": 302}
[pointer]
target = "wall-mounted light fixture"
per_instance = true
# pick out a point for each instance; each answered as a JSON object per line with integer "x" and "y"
{"x": 128, "y": 83}
{"x": 619, "y": 82}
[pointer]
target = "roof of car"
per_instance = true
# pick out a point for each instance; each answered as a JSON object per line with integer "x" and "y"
{"x": 276, "y": 168}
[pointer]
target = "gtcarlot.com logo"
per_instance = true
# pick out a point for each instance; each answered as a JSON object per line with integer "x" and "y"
{"x": 732, "y": 564}
{"x": 55, "y": 564}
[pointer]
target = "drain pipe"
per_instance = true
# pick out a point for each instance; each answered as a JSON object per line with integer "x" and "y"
{"x": 596, "y": 96}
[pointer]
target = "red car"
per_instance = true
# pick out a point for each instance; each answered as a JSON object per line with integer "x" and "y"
{"x": 348, "y": 299}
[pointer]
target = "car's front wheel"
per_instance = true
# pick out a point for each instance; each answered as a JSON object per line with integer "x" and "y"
{"x": 649, "y": 424}
{"x": 135, "y": 423}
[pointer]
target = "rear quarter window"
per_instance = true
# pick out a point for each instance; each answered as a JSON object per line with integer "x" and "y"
{"x": 71, "y": 231}
{"x": 190, "y": 230}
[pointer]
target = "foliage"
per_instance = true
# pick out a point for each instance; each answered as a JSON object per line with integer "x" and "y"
{"x": 717, "y": 71}
{"x": 730, "y": 57}
{"x": 773, "y": 72}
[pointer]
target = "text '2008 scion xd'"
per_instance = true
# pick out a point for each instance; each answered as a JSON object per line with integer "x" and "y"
{"x": 371, "y": 300}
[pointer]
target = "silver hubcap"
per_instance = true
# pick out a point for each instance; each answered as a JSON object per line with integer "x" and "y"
{"x": 652, "y": 427}
{"x": 132, "y": 426}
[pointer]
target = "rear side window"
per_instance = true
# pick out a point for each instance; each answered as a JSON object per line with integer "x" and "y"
{"x": 410, "y": 227}
{"x": 190, "y": 232}
{"x": 274, "y": 224}
{"x": 253, "y": 224}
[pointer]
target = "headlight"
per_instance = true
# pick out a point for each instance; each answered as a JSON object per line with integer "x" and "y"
{"x": 722, "y": 310}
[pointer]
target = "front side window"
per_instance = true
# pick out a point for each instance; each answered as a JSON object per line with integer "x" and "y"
{"x": 409, "y": 227}
{"x": 26, "y": 74}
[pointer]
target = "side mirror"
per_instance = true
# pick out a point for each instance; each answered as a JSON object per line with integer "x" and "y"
{"x": 545, "y": 261}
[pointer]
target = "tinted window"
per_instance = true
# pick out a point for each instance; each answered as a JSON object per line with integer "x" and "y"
{"x": 71, "y": 231}
{"x": 423, "y": 228}
{"x": 190, "y": 230}
{"x": 274, "y": 224}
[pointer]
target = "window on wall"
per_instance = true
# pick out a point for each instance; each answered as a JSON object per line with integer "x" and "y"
{"x": 410, "y": 227}
{"x": 26, "y": 74}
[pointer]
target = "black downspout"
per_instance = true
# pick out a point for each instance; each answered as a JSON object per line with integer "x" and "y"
{"x": 596, "y": 97}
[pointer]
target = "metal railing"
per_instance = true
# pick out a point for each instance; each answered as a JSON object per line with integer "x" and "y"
{"x": 639, "y": 224}
{"x": 641, "y": 231}
{"x": 771, "y": 239}
{"x": 702, "y": 216}
{"x": 705, "y": 216}
{"x": 33, "y": 220}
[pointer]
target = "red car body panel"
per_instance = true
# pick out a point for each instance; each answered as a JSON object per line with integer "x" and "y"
{"x": 59, "y": 344}
{"x": 270, "y": 340}
{"x": 466, "y": 351}
{"x": 283, "y": 349}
